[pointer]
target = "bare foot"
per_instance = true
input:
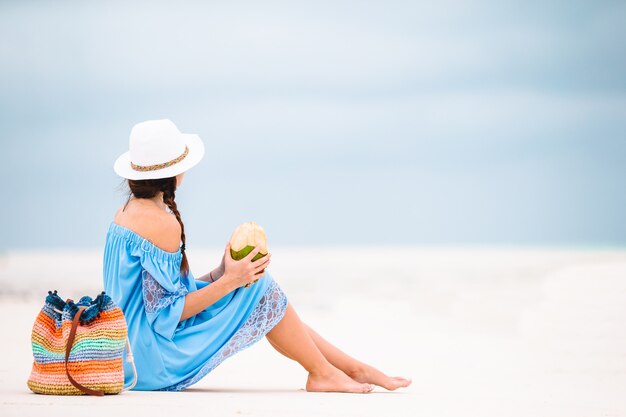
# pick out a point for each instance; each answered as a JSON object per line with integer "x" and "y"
{"x": 369, "y": 374}
{"x": 334, "y": 380}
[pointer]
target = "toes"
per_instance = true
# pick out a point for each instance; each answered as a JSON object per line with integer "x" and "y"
{"x": 367, "y": 387}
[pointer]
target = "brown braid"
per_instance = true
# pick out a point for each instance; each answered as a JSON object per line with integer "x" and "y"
{"x": 149, "y": 189}
{"x": 169, "y": 189}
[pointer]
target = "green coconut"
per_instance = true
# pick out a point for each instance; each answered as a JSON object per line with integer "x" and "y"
{"x": 245, "y": 238}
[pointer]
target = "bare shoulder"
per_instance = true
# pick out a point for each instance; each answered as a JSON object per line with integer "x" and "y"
{"x": 154, "y": 224}
{"x": 165, "y": 231}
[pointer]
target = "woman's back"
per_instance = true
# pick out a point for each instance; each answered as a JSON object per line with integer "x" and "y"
{"x": 150, "y": 221}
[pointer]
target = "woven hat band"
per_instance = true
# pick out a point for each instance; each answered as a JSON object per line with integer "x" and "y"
{"x": 160, "y": 166}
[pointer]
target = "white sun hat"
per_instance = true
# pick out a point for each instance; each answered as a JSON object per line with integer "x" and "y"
{"x": 158, "y": 150}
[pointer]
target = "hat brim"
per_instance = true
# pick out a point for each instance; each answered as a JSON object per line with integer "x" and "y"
{"x": 196, "y": 153}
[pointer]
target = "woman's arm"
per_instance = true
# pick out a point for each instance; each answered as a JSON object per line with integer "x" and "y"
{"x": 196, "y": 301}
{"x": 239, "y": 274}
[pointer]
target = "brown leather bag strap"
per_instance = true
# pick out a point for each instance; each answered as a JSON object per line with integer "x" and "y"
{"x": 68, "y": 348}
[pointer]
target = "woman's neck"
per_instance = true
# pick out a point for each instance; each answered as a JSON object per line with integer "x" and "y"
{"x": 156, "y": 200}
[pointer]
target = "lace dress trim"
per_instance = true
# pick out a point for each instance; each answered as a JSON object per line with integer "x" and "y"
{"x": 268, "y": 312}
{"x": 156, "y": 297}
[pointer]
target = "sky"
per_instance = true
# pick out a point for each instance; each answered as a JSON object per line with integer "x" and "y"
{"x": 328, "y": 122}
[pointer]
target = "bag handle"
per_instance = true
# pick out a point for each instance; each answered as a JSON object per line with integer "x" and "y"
{"x": 130, "y": 358}
{"x": 68, "y": 348}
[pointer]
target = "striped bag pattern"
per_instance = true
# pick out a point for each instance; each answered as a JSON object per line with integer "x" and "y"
{"x": 78, "y": 347}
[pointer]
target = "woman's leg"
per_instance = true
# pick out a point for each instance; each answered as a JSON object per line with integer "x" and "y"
{"x": 292, "y": 337}
{"x": 355, "y": 369}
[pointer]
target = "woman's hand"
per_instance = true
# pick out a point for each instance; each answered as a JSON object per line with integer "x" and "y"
{"x": 244, "y": 271}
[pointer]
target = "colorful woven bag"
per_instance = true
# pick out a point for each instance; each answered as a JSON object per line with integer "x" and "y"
{"x": 78, "y": 347}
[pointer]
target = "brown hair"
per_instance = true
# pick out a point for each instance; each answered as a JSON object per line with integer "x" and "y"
{"x": 149, "y": 189}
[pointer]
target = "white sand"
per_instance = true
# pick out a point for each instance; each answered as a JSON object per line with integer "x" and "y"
{"x": 482, "y": 332}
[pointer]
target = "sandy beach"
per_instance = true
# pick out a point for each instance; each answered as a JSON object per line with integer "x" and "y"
{"x": 481, "y": 331}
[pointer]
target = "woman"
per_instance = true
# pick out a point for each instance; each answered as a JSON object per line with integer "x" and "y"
{"x": 181, "y": 327}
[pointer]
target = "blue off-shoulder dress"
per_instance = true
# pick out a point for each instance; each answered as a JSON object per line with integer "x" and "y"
{"x": 145, "y": 281}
